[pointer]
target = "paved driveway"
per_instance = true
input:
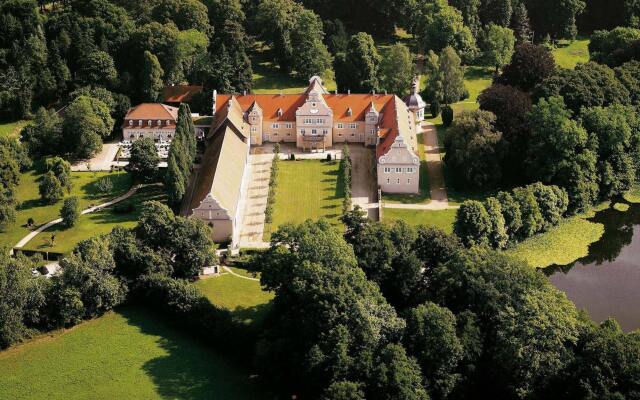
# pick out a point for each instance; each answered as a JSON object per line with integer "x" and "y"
{"x": 101, "y": 161}
{"x": 252, "y": 227}
{"x": 363, "y": 184}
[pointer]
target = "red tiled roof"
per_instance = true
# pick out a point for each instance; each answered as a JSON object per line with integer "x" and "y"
{"x": 153, "y": 112}
{"x": 359, "y": 104}
{"x": 179, "y": 93}
{"x": 270, "y": 103}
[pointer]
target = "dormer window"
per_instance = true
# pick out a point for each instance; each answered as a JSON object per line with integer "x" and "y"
{"x": 349, "y": 111}
{"x": 159, "y": 122}
{"x": 168, "y": 122}
{"x": 279, "y": 112}
{"x": 139, "y": 122}
{"x": 150, "y": 123}
{"x": 130, "y": 122}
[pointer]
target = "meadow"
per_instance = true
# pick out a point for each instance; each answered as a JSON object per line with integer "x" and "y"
{"x": 128, "y": 354}
{"x": 442, "y": 219}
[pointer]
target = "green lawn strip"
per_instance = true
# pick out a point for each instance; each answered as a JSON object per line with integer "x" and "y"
{"x": 622, "y": 207}
{"x": 307, "y": 189}
{"x": 84, "y": 186}
{"x": 244, "y": 297}
{"x": 268, "y": 78}
{"x": 442, "y": 219}
{"x": 476, "y": 79}
{"x": 561, "y": 245}
{"x": 129, "y": 354}
{"x": 97, "y": 223}
{"x": 633, "y": 195}
{"x": 568, "y": 54}
{"x": 424, "y": 196}
{"x": 12, "y": 129}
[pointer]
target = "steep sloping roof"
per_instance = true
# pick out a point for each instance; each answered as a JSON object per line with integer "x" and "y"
{"x": 359, "y": 104}
{"x": 222, "y": 169}
{"x": 179, "y": 93}
{"x": 397, "y": 120}
{"x": 270, "y": 103}
{"x": 152, "y": 111}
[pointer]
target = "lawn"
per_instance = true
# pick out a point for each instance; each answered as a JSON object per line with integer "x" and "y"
{"x": 129, "y": 354}
{"x": 561, "y": 245}
{"x": 244, "y": 297}
{"x": 12, "y": 129}
{"x": 568, "y": 54}
{"x": 442, "y": 219}
{"x": 307, "y": 189}
{"x": 84, "y": 186}
{"x": 268, "y": 78}
{"x": 97, "y": 223}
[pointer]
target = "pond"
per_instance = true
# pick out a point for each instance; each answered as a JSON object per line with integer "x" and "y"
{"x": 606, "y": 283}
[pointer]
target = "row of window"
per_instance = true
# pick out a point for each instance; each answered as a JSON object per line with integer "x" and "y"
{"x": 399, "y": 170}
{"x": 397, "y": 181}
{"x": 351, "y": 126}
{"x": 287, "y": 125}
{"x": 314, "y": 132}
{"x": 310, "y": 121}
{"x": 149, "y": 122}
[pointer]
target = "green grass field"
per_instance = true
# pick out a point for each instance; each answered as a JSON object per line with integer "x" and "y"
{"x": 561, "y": 245}
{"x": 307, "y": 189}
{"x": 84, "y": 186}
{"x": 12, "y": 129}
{"x": 244, "y": 297}
{"x": 442, "y": 219}
{"x": 569, "y": 54}
{"x": 268, "y": 78}
{"x": 100, "y": 222}
{"x": 129, "y": 354}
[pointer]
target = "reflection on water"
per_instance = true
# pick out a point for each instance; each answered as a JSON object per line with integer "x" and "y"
{"x": 606, "y": 283}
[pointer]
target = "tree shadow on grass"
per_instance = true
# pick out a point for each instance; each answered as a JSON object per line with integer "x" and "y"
{"x": 191, "y": 369}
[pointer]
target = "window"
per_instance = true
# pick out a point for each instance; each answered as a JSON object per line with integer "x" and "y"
{"x": 399, "y": 170}
{"x": 410, "y": 170}
{"x": 254, "y": 129}
{"x": 353, "y": 134}
{"x": 340, "y": 126}
{"x": 130, "y": 122}
{"x": 168, "y": 122}
{"x": 387, "y": 170}
{"x": 398, "y": 181}
{"x": 373, "y": 119}
{"x": 275, "y": 126}
{"x": 320, "y": 121}
{"x": 339, "y": 134}
{"x": 288, "y": 125}
{"x": 289, "y": 134}
{"x": 314, "y": 132}
{"x": 388, "y": 181}
{"x": 140, "y": 122}
{"x": 159, "y": 122}
{"x": 409, "y": 181}
{"x": 372, "y": 131}
{"x": 324, "y": 131}
{"x": 149, "y": 122}
{"x": 254, "y": 119}
{"x": 302, "y": 131}
{"x": 353, "y": 126}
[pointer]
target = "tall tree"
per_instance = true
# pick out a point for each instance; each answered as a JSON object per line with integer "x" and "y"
{"x": 151, "y": 78}
{"x": 521, "y": 24}
{"x": 498, "y": 43}
{"x": 311, "y": 56}
{"x": 357, "y": 70}
{"x": 397, "y": 70}
{"x": 529, "y": 66}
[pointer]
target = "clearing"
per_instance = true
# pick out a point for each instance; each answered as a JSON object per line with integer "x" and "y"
{"x": 128, "y": 354}
{"x": 84, "y": 186}
{"x": 569, "y": 53}
{"x": 123, "y": 214}
{"x": 12, "y": 129}
{"x": 442, "y": 219}
{"x": 307, "y": 189}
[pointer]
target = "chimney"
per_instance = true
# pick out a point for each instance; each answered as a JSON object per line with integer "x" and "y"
{"x": 348, "y": 91}
{"x": 385, "y": 92}
{"x": 244, "y": 92}
{"x": 374, "y": 92}
{"x": 214, "y": 98}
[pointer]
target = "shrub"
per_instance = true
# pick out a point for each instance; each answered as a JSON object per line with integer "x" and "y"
{"x": 50, "y": 188}
{"x": 435, "y": 108}
{"x": 104, "y": 185}
{"x": 293, "y": 157}
{"x": 30, "y": 222}
{"x": 328, "y": 156}
{"x": 70, "y": 211}
{"x": 447, "y": 116}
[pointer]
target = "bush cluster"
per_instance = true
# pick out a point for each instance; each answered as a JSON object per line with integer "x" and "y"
{"x": 273, "y": 183}
{"x": 346, "y": 172}
{"x": 511, "y": 216}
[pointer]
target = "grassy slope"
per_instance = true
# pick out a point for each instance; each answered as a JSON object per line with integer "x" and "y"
{"x": 31, "y": 206}
{"x": 129, "y": 354}
{"x": 268, "y": 78}
{"x": 308, "y": 189}
{"x": 93, "y": 224}
{"x": 12, "y": 129}
{"x": 442, "y": 219}
{"x": 244, "y": 297}
{"x": 562, "y": 244}
{"x": 569, "y": 54}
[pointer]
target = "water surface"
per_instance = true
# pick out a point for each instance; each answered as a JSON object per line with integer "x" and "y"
{"x": 606, "y": 283}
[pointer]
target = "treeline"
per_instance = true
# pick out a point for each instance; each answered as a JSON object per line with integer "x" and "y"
{"x": 574, "y": 128}
{"x": 395, "y": 312}
{"x": 510, "y": 216}
{"x": 182, "y": 153}
{"x": 154, "y": 260}
{"x": 346, "y": 173}
{"x": 13, "y": 160}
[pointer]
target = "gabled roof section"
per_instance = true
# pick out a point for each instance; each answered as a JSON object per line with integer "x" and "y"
{"x": 152, "y": 111}
{"x": 223, "y": 166}
{"x": 315, "y": 85}
{"x": 397, "y": 119}
{"x": 179, "y": 93}
{"x": 359, "y": 104}
{"x": 270, "y": 103}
